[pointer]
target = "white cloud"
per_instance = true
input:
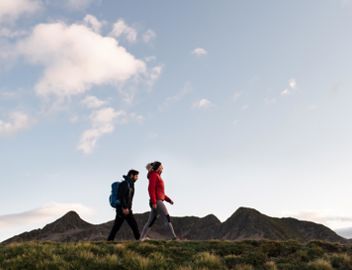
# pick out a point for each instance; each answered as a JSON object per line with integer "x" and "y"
{"x": 131, "y": 117}
{"x": 17, "y": 122}
{"x": 128, "y": 94}
{"x": 332, "y": 219}
{"x": 153, "y": 75}
{"x": 75, "y": 58}
{"x": 292, "y": 83}
{"x": 285, "y": 92}
{"x": 102, "y": 123}
{"x": 148, "y": 78}
{"x": 46, "y": 213}
{"x": 16, "y": 223}
{"x": 149, "y": 35}
{"x": 120, "y": 28}
{"x": 93, "y": 102}
{"x": 93, "y": 23}
{"x": 10, "y": 10}
{"x": 202, "y": 104}
{"x": 199, "y": 52}
{"x": 77, "y": 4}
{"x": 291, "y": 86}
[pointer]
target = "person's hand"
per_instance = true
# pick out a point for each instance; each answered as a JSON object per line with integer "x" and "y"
{"x": 154, "y": 206}
{"x": 125, "y": 211}
{"x": 171, "y": 201}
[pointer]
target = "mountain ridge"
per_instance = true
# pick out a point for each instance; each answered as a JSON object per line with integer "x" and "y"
{"x": 244, "y": 223}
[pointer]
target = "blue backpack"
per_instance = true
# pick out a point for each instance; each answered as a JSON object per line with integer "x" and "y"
{"x": 113, "y": 199}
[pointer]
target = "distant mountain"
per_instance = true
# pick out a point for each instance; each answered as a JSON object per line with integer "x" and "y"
{"x": 245, "y": 223}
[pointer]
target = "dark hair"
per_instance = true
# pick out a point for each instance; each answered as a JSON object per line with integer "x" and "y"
{"x": 132, "y": 172}
{"x": 156, "y": 165}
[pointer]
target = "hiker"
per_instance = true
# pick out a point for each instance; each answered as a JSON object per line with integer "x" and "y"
{"x": 124, "y": 208}
{"x": 157, "y": 196}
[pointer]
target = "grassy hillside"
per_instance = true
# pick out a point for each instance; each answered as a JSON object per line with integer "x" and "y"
{"x": 180, "y": 255}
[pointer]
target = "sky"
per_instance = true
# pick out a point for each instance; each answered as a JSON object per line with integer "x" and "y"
{"x": 246, "y": 103}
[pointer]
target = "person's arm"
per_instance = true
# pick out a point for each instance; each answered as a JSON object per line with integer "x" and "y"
{"x": 168, "y": 199}
{"x": 152, "y": 189}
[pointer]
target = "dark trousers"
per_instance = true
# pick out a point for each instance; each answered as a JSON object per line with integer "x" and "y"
{"x": 119, "y": 219}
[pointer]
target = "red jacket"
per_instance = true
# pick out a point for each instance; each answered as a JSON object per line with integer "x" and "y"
{"x": 156, "y": 188}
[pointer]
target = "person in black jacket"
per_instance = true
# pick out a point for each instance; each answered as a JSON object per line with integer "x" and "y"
{"x": 124, "y": 210}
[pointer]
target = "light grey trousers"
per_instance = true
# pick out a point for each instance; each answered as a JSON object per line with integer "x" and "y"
{"x": 160, "y": 210}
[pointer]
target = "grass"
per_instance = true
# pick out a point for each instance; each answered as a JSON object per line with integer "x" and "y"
{"x": 178, "y": 255}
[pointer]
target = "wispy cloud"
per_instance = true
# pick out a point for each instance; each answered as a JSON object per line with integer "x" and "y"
{"x": 11, "y": 10}
{"x": 153, "y": 74}
{"x": 285, "y": 92}
{"x": 148, "y": 36}
{"x": 9, "y": 33}
{"x": 187, "y": 89}
{"x": 332, "y": 219}
{"x": 75, "y": 58}
{"x": 47, "y": 212}
{"x": 103, "y": 121}
{"x": 202, "y": 104}
{"x": 147, "y": 79}
{"x": 17, "y": 122}
{"x": 199, "y": 52}
{"x": 292, "y": 83}
{"x": 93, "y": 23}
{"x": 16, "y": 223}
{"x": 93, "y": 102}
{"x": 121, "y": 28}
{"x": 291, "y": 86}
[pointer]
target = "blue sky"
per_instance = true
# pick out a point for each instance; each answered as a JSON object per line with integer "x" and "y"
{"x": 245, "y": 102}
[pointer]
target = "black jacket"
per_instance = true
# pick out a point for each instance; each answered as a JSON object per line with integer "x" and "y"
{"x": 126, "y": 192}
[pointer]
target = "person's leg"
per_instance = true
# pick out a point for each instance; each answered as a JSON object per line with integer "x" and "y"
{"x": 117, "y": 224}
{"x": 133, "y": 224}
{"x": 147, "y": 227}
{"x": 163, "y": 211}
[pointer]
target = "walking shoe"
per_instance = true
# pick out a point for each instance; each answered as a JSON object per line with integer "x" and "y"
{"x": 144, "y": 239}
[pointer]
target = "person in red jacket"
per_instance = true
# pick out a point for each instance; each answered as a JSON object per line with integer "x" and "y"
{"x": 157, "y": 196}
